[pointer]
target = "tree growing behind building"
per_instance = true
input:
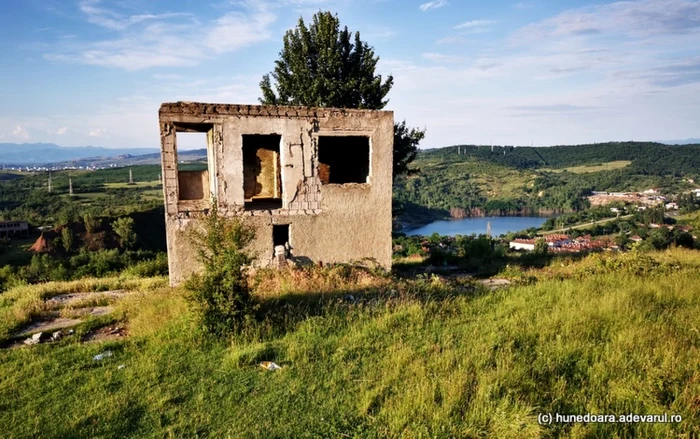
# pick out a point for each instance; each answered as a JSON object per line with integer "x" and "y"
{"x": 221, "y": 293}
{"x": 124, "y": 228}
{"x": 323, "y": 65}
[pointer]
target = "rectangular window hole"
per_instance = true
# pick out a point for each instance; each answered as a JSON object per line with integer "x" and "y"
{"x": 195, "y": 164}
{"x": 262, "y": 172}
{"x": 343, "y": 159}
{"x": 280, "y": 234}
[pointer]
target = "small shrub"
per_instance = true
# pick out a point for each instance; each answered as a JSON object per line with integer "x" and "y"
{"x": 67, "y": 239}
{"x": 221, "y": 294}
{"x": 150, "y": 267}
{"x": 124, "y": 228}
{"x": 541, "y": 247}
{"x": 91, "y": 223}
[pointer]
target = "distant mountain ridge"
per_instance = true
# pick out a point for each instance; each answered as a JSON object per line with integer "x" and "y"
{"x": 691, "y": 141}
{"x": 45, "y": 153}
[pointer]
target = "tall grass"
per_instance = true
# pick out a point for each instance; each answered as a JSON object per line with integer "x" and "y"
{"x": 24, "y": 303}
{"x": 417, "y": 358}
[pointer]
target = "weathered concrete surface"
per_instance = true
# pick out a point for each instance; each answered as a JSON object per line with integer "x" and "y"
{"x": 49, "y": 325}
{"x": 327, "y": 222}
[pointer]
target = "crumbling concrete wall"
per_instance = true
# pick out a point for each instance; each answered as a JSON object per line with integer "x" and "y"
{"x": 327, "y": 222}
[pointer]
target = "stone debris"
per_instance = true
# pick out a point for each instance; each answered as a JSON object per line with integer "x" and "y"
{"x": 280, "y": 256}
{"x": 494, "y": 283}
{"x": 102, "y": 356}
{"x": 269, "y": 365}
{"x": 34, "y": 339}
{"x": 56, "y": 336}
{"x": 49, "y": 326}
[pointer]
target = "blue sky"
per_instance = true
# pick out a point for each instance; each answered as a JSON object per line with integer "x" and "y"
{"x": 94, "y": 72}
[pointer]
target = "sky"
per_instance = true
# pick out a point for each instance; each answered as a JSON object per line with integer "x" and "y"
{"x": 94, "y": 72}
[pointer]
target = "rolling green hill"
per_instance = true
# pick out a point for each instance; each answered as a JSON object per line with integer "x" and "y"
{"x": 476, "y": 180}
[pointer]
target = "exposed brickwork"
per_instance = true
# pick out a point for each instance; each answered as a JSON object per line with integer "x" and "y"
{"x": 327, "y": 222}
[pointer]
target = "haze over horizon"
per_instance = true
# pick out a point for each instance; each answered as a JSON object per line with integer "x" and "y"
{"x": 91, "y": 72}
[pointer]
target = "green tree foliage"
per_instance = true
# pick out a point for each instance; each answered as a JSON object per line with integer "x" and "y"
{"x": 406, "y": 142}
{"x": 67, "y": 215}
{"x": 653, "y": 215}
{"x": 688, "y": 203}
{"x": 648, "y": 158}
{"x": 67, "y": 239}
{"x": 323, "y": 65}
{"x": 124, "y": 228}
{"x": 221, "y": 293}
{"x": 541, "y": 247}
{"x": 684, "y": 239}
{"x": 91, "y": 223}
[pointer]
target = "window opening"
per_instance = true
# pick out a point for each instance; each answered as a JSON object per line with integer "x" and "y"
{"x": 262, "y": 174}
{"x": 280, "y": 234}
{"x": 343, "y": 159}
{"x": 196, "y": 167}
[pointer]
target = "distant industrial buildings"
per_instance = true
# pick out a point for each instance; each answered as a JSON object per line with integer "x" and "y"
{"x": 9, "y": 229}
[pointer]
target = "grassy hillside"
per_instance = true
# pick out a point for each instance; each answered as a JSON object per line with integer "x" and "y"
{"x": 429, "y": 357}
{"x": 585, "y": 169}
{"x": 646, "y": 157}
{"x": 505, "y": 180}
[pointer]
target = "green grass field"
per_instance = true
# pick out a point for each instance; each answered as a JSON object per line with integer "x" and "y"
{"x": 427, "y": 357}
{"x": 585, "y": 169}
{"x": 137, "y": 184}
{"x": 17, "y": 251}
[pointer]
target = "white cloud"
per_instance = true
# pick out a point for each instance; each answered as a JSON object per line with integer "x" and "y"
{"x": 117, "y": 21}
{"x": 473, "y": 23}
{"x": 441, "y": 57}
{"x": 637, "y": 19}
{"x": 62, "y": 131}
{"x": 166, "y": 40}
{"x": 451, "y": 40}
{"x": 98, "y": 132}
{"x": 522, "y": 5}
{"x": 474, "y": 26}
{"x": 236, "y": 30}
{"x": 20, "y": 133}
{"x": 166, "y": 76}
{"x": 433, "y": 5}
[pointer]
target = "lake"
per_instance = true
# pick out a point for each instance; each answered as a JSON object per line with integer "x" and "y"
{"x": 500, "y": 225}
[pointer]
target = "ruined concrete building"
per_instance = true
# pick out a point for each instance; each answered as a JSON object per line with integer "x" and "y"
{"x": 315, "y": 183}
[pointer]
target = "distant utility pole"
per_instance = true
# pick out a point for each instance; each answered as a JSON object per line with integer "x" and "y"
{"x": 488, "y": 229}
{"x": 49, "y": 182}
{"x": 131, "y": 177}
{"x": 459, "y": 150}
{"x": 70, "y": 186}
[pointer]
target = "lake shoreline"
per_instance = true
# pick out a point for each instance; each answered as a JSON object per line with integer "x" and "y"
{"x": 476, "y": 225}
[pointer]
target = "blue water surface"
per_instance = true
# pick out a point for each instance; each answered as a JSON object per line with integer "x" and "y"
{"x": 500, "y": 225}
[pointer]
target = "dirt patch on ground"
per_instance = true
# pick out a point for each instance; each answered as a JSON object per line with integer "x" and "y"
{"x": 494, "y": 284}
{"x": 73, "y": 299}
{"x": 94, "y": 311}
{"x": 105, "y": 334}
{"x": 49, "y": 326}
{"x": 69, "y": 310}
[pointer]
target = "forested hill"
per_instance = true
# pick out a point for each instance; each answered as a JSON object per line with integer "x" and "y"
{"x": 505, "y": 180}
{"x": 646, "y": 157}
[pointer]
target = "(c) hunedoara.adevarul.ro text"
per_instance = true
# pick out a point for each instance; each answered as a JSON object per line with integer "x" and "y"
{"x": 588, "y": 418}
